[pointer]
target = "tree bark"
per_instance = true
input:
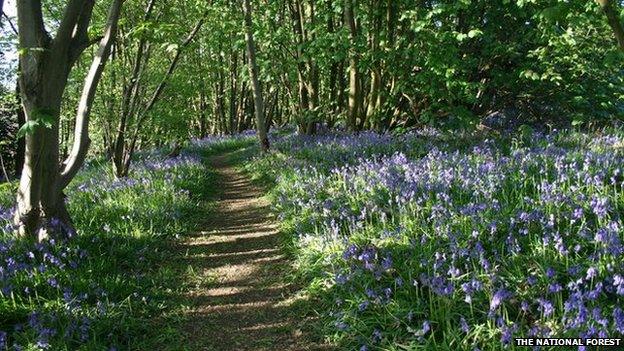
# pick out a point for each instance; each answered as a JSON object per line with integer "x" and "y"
{"x": 297, "y": 16}
{"x": 81, "y": 133}
{"x": 609, "y": 8}
{"x": 261, "y": 126}
{"x": 44, "y": 71}
{"x": 21, "y": 142}
{"x": 354, "y": 81}
{"x": 313, "y": 77}
{"x": 233, "y": 92}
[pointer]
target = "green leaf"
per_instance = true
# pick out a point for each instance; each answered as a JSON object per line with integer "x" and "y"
{"x": 474, "y": 33}
{"x": 41, "y": 119}
{"x": 28, "y": 128}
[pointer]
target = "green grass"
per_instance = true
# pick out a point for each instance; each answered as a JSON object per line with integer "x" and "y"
{"x": 297, "y": 171}
{"x": 121, "y": 278}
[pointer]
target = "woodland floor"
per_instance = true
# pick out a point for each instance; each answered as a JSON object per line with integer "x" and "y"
{"x": 246, "y": 302}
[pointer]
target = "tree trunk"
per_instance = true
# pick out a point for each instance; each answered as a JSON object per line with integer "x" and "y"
{"x": 40, "y": 203}
{"x": 354, "y": 81}
{"x": 220, "y": 98}
{"x": 374, "y": 97}
{"x": 43, "y": 77}
{"x": 202, "y": 114}
{"x": 123, "y": 158}
{"x": 342, "y": 89}
{"x": 130, "y": 97}
{"x": 261, "y": 126}
{"x": 609, "y": 8}
{"x": 233, "y": 91}
{"x": 21, "y": 142}
{"x": 387, "y": 83}
{"x": 41, "y": 208}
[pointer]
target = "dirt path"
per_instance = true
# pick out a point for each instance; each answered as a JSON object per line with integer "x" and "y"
{"x": 245, "y": 304}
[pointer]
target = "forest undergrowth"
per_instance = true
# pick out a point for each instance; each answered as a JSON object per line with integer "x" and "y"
{"x": 444, "y": 241}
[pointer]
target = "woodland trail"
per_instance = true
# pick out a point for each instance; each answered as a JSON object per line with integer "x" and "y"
{"x": 246, "y": 304}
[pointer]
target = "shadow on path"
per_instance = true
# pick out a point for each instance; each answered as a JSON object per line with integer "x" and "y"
{"x": 247, "y": 305}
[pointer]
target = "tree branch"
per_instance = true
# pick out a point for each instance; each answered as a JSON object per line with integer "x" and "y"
{"x": 13, "y": 28}
{"x": 173, "y": 65}
{"x": 81, "y": 135}
{"x": 80, "y": 36}
{"x": 163, "y": 83}
{"x": 70, "y": 18}
{"x": 32, "y": 32}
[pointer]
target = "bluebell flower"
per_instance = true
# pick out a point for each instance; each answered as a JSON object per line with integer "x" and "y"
{"x": 554, "y": 288}
{"x": 592, "y": 272}
{"x": 498, "y": 298}
{"x": 342, "y": 326}
{"x": 507, "y": 334}
{"x": 371, "y": 293}
{"x": 618, "y": 283}
{"x": 550, "y": 272}
{"x": 386, "y": 263}
{"x": 464, "y": 325}
{"x": 426, "y": 327}
{"x": 618, "y": 319}
{"x": 3, "y": 340}
{"x": 545, "y": 306}
{"x": 377, "y": 336}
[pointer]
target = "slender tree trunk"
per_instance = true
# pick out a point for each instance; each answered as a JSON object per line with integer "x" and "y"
{"x": 334, "y": 75}
{"x": 122, "y": 168}
{"x": 82, "y": 141}
{"x": 261, "y": 126}
{"x": 333, "y": 72}
{"x": 220, "y": 97}
{"x": 354, "y": 80}
{"x": 219, "y": 120}
{"x": 374, "y": 97}
{"x": 203, "y": 115}
{"x": 242, "y": 105}
{"x": 5, "y": 174}
{"x": 130, "y": 97}
{"x": 298, "y": 18}
{"x": 387, "y": 83}
{"x": 342, "y": 89}
{"x": 221, "y": 115}
{"x": 313, "y": 81}
{"x": 233, "y": 90}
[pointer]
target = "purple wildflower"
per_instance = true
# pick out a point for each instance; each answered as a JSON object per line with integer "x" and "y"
{"x": 498, "y": 298}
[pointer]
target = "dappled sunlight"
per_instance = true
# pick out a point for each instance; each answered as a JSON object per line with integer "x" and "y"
{"x": 248, "y": 305}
